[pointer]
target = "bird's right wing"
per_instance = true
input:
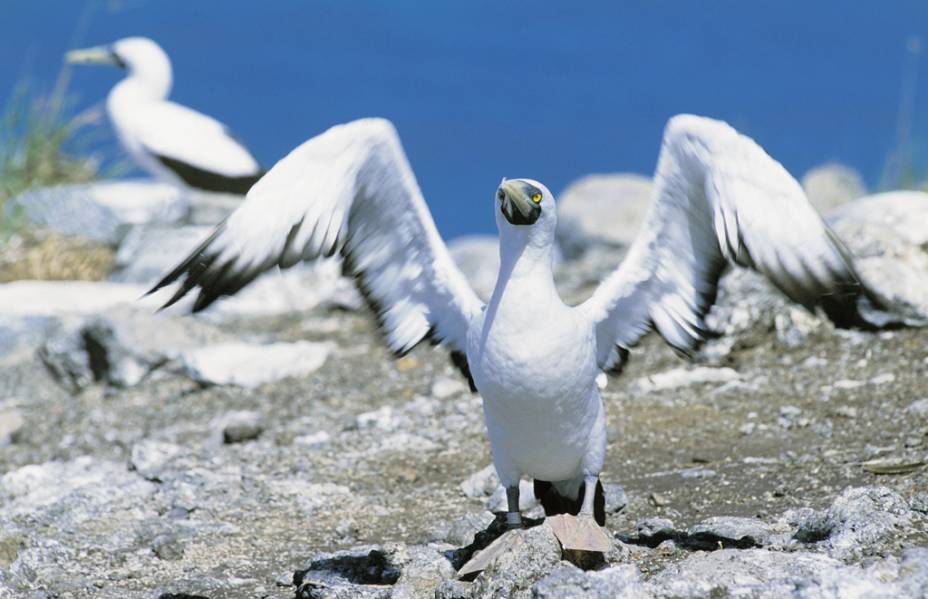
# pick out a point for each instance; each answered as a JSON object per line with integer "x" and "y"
{"x": 720, "y": 199}
{"x": 348, "y": 191}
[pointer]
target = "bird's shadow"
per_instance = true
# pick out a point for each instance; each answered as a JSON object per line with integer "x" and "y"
{"x": 496, "y": 529}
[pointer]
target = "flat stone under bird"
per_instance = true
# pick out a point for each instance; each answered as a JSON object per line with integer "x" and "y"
{"x": 171, "y": 142}
{"x": 719, "y": 199}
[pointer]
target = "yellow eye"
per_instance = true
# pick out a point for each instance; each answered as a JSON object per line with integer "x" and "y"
{"x": 536, "y": 198}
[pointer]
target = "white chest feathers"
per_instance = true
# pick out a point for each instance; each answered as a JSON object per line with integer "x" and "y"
{"x": 531, "y": 349}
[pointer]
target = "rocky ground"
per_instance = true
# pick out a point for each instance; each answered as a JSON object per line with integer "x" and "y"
{"x": 272, "y": 448}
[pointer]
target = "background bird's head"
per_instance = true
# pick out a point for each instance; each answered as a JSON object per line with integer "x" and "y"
{"x": 525, "y": 208}
{"x": 140, "y": 56}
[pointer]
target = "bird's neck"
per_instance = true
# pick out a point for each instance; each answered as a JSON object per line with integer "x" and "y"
{"x": 526, "y": 264}
{"x": 153, "y": 83}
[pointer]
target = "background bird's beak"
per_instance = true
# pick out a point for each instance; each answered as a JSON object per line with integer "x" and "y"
{"x": 96, "y": 55}
{"x": 515, "y": 203}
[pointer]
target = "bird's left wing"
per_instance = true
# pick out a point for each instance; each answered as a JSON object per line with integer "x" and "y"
{"x": 720, "y": 199}
{"x": 348, "y": 191}
{"x": 182, "y": 135}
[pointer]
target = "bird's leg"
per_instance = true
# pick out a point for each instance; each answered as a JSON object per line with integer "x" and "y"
{"x": 514, "y": 516}
{"x": 589, "y": 493}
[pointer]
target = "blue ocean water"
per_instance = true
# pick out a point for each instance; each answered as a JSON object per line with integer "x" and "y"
{"x": 486, "y": 89}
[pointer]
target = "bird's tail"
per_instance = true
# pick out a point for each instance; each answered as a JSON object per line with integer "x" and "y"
{"x": 566, "y": 497}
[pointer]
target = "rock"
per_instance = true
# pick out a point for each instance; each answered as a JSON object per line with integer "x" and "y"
{"x": 121, "y": 346}
{"x": 601, "y": 210}
{"x": 313, "y": 440}
{"x": 795, "y": 324}
{"x": 481, "y": 483}
{"x": 21, "y": 336}
{"x": 755, "y": 573}
{"x": 241, "y": 426}
{"x": 65, "y": 355}
{"x": 444, "y": 388}
{"x": 85, "y": 485}
{"x": 856, "y": 522}
{"x": 683, "y": 377}
{"x": 148, "y": 252}
{"x": 102, "y": 211}
{"x": 250, "y": 365}
{"x": 919, "y": 502}
{"x": 891, "y": 577}
{"x": 832, "y": 184}
{"x": 11, "y": 423}
{"x": 53, "y": 299}
{"x": 297, "y": 289}
{"x": 150, "y": 458}
{"x": 485, "y": 484}
{"x": 728, "y": 531}
{"x": 210, "y": 208}
{"x": 168, "y": 547}
{"x": 517, "y": 570}
{"x": 887, "y": 234}
{"x": 616, "y": 499}
{"x": 423, "y": 568}
{"x": 918, "y": 408}
{"x": 478, "y": 258}
{"x": 567, "y": 581}
{"x": 461, "y": 532}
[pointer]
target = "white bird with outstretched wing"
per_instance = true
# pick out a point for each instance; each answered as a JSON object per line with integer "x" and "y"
{"x": 168, "y": 140}
{"x": 719, "y": 200}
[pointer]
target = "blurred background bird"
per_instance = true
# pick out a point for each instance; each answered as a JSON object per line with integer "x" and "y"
{"x": 171, "y": 142}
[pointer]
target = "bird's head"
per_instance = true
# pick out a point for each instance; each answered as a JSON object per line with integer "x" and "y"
{"x": 525, "y": 206}
{"x": 138, "y": 55}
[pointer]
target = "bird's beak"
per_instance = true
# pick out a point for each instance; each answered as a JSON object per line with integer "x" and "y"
{"x": 96, "y": 55}
{"x": 515, "y": 203}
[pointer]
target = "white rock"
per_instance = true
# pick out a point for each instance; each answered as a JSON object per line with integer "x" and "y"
{"x": 832, "y": 184}
{"x": 683, "y": 377}
{"x": 250, "y": 365}
{"x": 149, "y": 457}
{"x": 478, "y": 258}
{"x": 313, "y": 440}
{"x": 919, "y": 408}
{"x": 104, "y": 210}
{"x": 481, "y": 483}
{"x": 383, "y": 418}
{"x": 11, "y": 422}
{"x": 888, "y": 233}
{"x": 310, "y": 496}
{"x": 602, "y": 209}
{"x": 403, "y": 441}
{"x": 296, "y": 289}
{"x": 904, "y": 212}
{"x": 882, "y": 379}
{"x": 847, "y": 384}
{"x": 54, "y": 298}
{"x": 127, "y": 344}
{"x": 444, "y": 388}
{"x": 28, "y": 488}
{"x": 210, "y": 208}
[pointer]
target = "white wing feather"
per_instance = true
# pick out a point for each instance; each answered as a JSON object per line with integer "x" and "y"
{"x": 183, "y": 134}
{"x": 719, "y": 199}
{"x": 349, "y": 190}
